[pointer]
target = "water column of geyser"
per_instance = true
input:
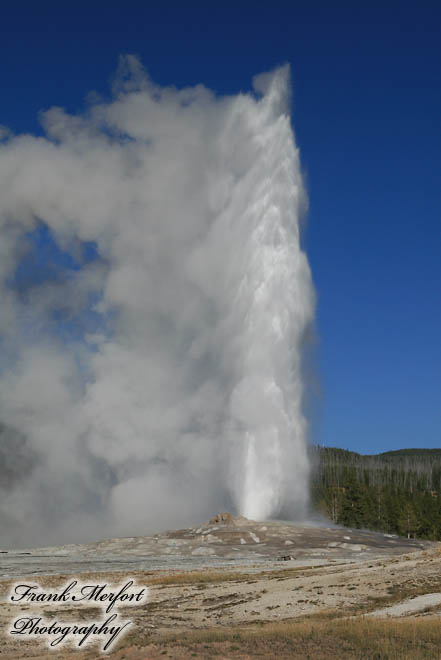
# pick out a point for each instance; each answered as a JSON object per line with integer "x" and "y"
{"x": 275, "y": 298}
{"x": 158, "y": 378}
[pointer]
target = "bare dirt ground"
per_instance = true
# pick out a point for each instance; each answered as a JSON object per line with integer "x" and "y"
{"x": 223, "y": 589}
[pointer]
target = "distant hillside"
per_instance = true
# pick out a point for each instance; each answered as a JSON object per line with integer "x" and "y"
{"x": 397, "y": 492}
{"x": 421, "y": 453}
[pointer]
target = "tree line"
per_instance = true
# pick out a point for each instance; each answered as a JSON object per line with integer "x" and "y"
{"x": 396, "y": 492}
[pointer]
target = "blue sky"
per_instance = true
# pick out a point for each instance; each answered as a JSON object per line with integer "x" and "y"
{"x": 367, "y": 116}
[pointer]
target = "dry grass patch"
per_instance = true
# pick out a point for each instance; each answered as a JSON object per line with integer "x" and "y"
{"x": 319, "y": 639}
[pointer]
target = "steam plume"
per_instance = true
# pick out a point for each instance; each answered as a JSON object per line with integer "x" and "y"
{"x": 151, "y": 366}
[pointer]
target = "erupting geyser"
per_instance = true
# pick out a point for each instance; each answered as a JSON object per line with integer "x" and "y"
{"x": 151, "y": 372}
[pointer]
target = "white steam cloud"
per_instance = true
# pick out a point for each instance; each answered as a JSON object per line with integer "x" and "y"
{"x": 151, "y": 368}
